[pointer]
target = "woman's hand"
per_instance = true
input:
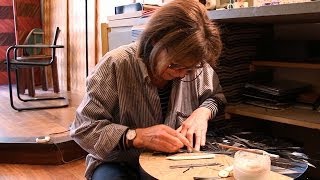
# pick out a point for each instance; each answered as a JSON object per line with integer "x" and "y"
{"x": 196, "y": 124}
{"x": 160, "y": 138}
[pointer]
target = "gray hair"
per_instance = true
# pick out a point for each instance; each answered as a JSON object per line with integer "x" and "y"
{"x": 183, "y": 28}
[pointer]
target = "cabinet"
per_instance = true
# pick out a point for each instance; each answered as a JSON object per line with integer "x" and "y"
{"x": 301, "y": 13}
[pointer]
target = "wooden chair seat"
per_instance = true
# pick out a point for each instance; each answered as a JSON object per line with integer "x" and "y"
{"x": 33, "y": 58}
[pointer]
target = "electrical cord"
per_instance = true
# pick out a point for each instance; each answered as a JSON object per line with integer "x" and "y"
{"x": 59, "y": 132}
{"x": 60, "y": 151}
{"x": 62, "y": 158}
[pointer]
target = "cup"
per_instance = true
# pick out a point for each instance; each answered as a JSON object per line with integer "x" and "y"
{"x": 251, "y": 166}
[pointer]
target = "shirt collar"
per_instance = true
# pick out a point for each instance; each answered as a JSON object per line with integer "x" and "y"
{"x": 144, "y": 71}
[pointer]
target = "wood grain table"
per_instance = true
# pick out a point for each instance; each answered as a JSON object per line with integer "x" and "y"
{"x": 159, "y": 167}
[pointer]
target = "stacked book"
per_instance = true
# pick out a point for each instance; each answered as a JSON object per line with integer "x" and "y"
{"x": 277, "y": 94}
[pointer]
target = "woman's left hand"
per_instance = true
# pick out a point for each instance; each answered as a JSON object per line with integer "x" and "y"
{"x": 196, "y": 124}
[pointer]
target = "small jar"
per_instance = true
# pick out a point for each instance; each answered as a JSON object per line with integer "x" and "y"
{"x": 251, "y": 166}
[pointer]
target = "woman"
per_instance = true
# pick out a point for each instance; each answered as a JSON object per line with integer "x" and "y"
{"x": 156, "y": 94}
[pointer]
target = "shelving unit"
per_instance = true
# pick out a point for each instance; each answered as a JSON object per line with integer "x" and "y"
{"x": 293, "y": 116}
{"x": 287, "y": 13}
{"x": 307, "y": 12}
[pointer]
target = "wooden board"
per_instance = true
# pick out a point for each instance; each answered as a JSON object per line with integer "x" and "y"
{"x": 286, "y": 64}
{"x": 159, "y": 167}
{"x": 294, "y": 116}
{"x": 19, "y": 131}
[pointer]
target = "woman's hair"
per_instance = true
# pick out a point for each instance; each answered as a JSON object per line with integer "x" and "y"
{"x": 183, "y": 28}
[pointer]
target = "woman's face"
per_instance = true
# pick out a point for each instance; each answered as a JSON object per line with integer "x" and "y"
{"x": 167, "y": 70}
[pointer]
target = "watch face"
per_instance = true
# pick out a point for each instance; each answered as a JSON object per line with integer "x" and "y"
{"x": 131, "y": 134}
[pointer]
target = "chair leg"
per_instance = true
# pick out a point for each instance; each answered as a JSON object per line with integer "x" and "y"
{"x": 55, "y": 78}
{"x": 30, "y": 82}
{"x": 25, "y": 79}
{"x": 18, "y": 84}
{"x": 21, "y": 81}
{"x": 44, "y": 79}
{"x": 34, "y": 99}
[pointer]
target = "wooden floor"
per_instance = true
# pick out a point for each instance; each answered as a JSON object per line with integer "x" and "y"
{"x": 38, "y": 123}
{"x": 72, "y": 171}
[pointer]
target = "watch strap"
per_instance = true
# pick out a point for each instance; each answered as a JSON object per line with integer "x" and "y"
{"x": 122, "y": 142}
{"x": 130, "y": 141}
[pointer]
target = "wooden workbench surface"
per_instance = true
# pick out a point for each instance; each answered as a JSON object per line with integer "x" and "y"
{"x": 159, "y": 167}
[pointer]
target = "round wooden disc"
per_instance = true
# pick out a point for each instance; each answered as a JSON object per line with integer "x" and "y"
{"x": 159, "y": 167}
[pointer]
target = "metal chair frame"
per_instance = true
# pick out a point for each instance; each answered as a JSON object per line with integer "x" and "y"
{"x": 20, "y": 62}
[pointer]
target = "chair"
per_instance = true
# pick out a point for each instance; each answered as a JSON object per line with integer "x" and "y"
{"x": 36, "y": 37}
{"x": 26, "y": 75}
{"x": 32, "y": 61}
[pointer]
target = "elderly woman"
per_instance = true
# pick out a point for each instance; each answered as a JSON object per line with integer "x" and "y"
{"x": 157, "y": 94}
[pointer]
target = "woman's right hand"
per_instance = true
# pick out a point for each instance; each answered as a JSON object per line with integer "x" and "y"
{"x": 160, "y": 138}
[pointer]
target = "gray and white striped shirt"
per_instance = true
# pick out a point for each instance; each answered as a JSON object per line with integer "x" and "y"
{"x": 120, "y": 95}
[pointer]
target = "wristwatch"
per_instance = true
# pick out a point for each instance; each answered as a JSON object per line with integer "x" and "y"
{"x": 130, "y": 136}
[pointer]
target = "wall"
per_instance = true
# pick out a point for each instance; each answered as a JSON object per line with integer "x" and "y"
{"x": 77, "y": 40}
{"x": 70, "y": 17}
{"x": 57, "y": 17}
{"x": 7, "y": 36}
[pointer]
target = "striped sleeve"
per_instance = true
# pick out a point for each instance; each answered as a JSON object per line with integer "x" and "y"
{"x": 214, "y": 104}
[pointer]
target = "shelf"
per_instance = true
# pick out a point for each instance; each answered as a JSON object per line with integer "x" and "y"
{"x": 308, "y": 12}
{"x": 287, "y": 64}
{"x": 293, "y": 116}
